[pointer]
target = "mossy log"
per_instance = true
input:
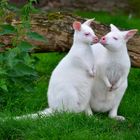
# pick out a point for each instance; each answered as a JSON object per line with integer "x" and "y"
{"x": 57, "y": 29}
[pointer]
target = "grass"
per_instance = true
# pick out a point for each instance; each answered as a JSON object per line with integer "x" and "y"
{"x": 118, "y": 19}
{"x": 70, "y": 126}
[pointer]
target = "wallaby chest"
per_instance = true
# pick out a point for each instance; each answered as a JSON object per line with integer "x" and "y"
{"x": 114, "y": 71}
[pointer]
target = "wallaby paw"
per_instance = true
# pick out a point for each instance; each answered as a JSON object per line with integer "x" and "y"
{"x": 88, "y": 112}
{"x": 109, "y": 88}
{"x": 112, "y": 88}
{"x": 118, "y": 118}
{"x": 91, "y": 73}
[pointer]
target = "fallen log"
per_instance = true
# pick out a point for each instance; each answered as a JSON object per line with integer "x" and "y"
{"x": 57, "y": 29}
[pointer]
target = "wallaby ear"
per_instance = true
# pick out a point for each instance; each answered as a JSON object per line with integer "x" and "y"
{"x": 77, "y": 25}
{"x": 114, "y": 28}
{"x": 88, "y": 22}
{"x": 129, "y": 34}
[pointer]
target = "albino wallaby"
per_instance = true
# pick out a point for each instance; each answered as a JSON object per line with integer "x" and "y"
{"x": 70, "y": 83}
{"x": 112, "y": 67}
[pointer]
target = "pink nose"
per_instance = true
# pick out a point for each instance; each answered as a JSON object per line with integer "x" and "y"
{"x": 95, "y": 39}
{"x": 103, "y": 40}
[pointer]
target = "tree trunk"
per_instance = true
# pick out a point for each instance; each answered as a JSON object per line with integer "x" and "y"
{"x": 57, "y": 28}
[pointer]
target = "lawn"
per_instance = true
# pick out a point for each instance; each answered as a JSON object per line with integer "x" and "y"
{"x": 70, "y": 126}
{"x": 119, "y": 19}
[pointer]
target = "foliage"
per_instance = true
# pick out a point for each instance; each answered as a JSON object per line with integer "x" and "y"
{"x": 3, "y": 10}
{"x": 17, "y": 67}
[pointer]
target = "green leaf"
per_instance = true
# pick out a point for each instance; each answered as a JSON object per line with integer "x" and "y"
{"x": 36, "y": 36}
{"x": 25, "y": 46}
{"x": 2, "y": 71}
{"x": 23, "y": 69}
{"x": 10, "y": 57}
{"x": 33, "y": 1}
{"x": 3, "y": 85}
{"x": 7, "y": 29}
{"x": 13, "y": 8}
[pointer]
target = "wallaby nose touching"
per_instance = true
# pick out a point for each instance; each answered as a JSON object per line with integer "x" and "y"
{"x": 103, "y": 40}
{"x": 95, "y": 39}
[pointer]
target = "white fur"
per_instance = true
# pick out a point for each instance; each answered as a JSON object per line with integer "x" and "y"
{"x": 112, "y": 68}
{"x": 71, "y": 81}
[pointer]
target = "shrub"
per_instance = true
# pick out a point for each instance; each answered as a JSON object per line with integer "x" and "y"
{"x": 17, "y": 67}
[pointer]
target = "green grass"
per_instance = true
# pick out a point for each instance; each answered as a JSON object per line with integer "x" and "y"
{"x": 69, "y": 126}
{"x": 118, "y": 19}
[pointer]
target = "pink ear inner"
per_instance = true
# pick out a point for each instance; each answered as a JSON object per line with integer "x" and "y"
{"x": 77, "y": 25}
{"x": 130, "y": 34}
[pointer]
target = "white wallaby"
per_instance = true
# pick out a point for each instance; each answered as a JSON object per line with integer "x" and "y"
{"x": 112, "y": 67}
{"x": 71, "y": 81}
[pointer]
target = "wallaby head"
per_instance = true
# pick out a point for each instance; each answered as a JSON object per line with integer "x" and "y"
{"x": 117, "y": 39}
{"x": 84, "y": 33}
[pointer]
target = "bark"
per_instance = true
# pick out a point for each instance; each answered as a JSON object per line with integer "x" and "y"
{"x": 57, "y": 28}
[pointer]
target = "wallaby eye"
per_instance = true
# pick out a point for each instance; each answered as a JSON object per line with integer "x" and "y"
{"x": 115, "y": 38}
{"x": 87, "y": 34}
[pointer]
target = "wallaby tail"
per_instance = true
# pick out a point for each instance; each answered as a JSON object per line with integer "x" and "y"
{"x": 43, "y": 113}
{"x": 46, "y": 112}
